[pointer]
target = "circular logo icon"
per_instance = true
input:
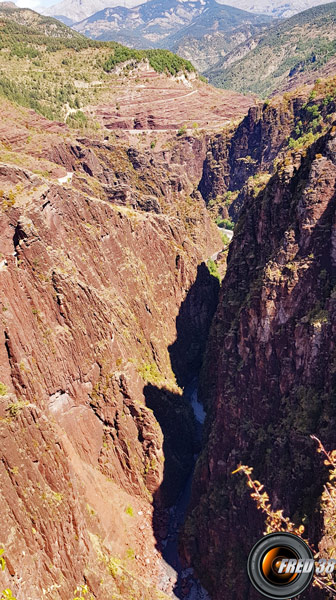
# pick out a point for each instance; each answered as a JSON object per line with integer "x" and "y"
{"x": 280, "y": 566}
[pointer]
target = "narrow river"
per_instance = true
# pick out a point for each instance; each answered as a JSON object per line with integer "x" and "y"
{"x": 180, "y": 583}
{"x": 185, "y": 584}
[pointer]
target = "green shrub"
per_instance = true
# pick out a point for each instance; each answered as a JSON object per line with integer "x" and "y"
{"x": 3, "y": 389}
{"x": 225, "y": 239}
{"x": 81, "y": 592}
{"x": 313, "y": 111}
{"x": 228, "y": 198}
{"x": 15, "y": 408}
{"x": 182, "y": 131}
{"x": 2, "y": 560}
{"x": 77, "y": 120}
{"x": 149, "y": 372}
{"x": 318, "y": 317}
{"x": 160, "y": 60}
{"x": 6, "y": 594}
{"x": 302, "y": 141}
{"x": 225, "y": 223}
{"x": 114, "y": 567}
{"x": 22, "y": 51}
{"x": 165, "y": 61}
{"x": 213, "y": 270}
{"x": 129, "y": 511}
{"x": 130, "y": 553}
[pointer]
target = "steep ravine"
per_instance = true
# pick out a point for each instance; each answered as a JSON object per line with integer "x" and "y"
{"x": 178, "y": 579}
{"x": 106, "y": 307}
{"x": 186, "y": 353}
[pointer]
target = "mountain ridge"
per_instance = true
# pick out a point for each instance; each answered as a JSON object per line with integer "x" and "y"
{"x": 86, "y": 8}
{"x": 302, "y": 43}
{"x": 211, "y": 34}
{"x": 277, "y": 8}
{"x": 76, "y": 10}
{"x": 178, "y": 26}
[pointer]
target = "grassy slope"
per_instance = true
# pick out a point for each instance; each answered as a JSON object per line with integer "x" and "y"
{"x": 302, "y": 43}
{"x": 47, "y": 66}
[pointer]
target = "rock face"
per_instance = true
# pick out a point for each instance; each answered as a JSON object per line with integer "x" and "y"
{"x": 247, "y": 150}
{"x": 93, "y": 272}
{"x": 269, "y": 378}
{"x": 241, "y": 160}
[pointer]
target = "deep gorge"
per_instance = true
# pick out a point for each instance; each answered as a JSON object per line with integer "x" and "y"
{"x": 106, "y": 304}
{"x": 109, "y": 311}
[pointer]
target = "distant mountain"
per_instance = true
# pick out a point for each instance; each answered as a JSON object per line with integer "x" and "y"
{"x": 146, "y": 24}
{"x": 72, "y": 11}
{"x": 276, "y": 60}
{"x": 202, "y": 31}
{"x": 33, "y": 24}
{"x": 54, "y": 70}
{"x": 276, "y": 8}
{"x": 215, "y": 33}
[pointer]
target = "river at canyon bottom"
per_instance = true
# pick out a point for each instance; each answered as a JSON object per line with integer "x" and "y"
{"x": 180, "y": 583}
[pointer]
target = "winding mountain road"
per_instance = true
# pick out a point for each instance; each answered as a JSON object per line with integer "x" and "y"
{"x": 151, "y": 102}
{"x": 229, "y": 234}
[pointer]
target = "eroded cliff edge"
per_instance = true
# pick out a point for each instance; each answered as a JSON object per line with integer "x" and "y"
{"x": 94, "y": 268}
{"x": 269, "y": 379}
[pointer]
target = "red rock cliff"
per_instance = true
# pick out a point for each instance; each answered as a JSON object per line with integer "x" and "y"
{"x": 92, "y": 275}
{"x": 269, "y": 376}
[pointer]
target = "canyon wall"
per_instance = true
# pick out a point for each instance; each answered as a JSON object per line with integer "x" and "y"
{"x": 241, "y": 159}
{"x": 100, "y": 246}
{"x": 106, "y": 305}
{"x": 268, "y": 379}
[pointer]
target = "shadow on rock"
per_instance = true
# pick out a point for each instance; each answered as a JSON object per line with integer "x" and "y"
{"x": 180, "y": 429}
{"x": 193, "y": 325}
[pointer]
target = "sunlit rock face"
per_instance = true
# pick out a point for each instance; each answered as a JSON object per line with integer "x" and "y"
{"x": 94, "y": 268}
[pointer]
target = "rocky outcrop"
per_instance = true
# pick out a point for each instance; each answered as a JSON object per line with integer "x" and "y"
{"x": 90, "y": 290}
{"x": 269, "y": 379}
{"x": 241, "y": 160}
{"x": 241, "y": 153}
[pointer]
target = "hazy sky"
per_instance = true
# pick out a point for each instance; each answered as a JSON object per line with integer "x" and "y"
{"x": 266, "y": 6}
{"x": 33, "y": 3}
